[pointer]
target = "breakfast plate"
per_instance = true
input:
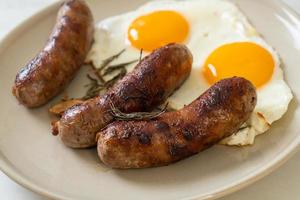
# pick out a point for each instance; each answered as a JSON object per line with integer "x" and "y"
{"x": 31, "y": 156}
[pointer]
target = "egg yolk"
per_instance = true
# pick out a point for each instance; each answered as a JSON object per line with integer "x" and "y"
{"x": 157, "y": 29}
{"x": 244, "y": 59}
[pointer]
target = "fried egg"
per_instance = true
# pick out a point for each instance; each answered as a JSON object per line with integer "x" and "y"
{"x": 223, "y": 43}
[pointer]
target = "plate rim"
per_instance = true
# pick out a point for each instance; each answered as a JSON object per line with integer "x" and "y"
{"x": 226, "y": 190}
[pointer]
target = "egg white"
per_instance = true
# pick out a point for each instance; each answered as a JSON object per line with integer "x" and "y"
{"x": 212, "y": 24}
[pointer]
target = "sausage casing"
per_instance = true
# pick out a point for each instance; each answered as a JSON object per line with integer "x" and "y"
{"x": 54, "y": 67}
{"x": 149, "y": 84}
{"x": 216, "y": 114}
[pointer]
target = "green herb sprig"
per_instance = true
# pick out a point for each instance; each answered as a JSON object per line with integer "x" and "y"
{"x": 119, "y": 115}
{"x": 96, "y": 86}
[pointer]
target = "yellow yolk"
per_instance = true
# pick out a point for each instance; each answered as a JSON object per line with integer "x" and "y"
{"x": 157, "y": 29}
{"x": 244, "y": 59}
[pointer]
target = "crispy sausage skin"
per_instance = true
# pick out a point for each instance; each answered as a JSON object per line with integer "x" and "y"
{"x": 147, "y": 86}
{"x": 216, "y": 114}
{"x": 54, "y": 67}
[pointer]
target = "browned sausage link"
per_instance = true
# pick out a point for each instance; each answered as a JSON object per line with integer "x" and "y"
{"x": 147, "y": 86}
{"x": 216, "y": 114}
{"x": 54, "y": 67}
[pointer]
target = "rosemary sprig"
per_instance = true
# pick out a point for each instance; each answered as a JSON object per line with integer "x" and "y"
{"x": 119, "y": 115}
{"x": 112, "y": 68}
{"x": 141, "y": 55}
{"x": 94, "y": 87}
{"x": 101, "y": 83}
{"x": 98, "y": 84}
{"x": 107, "y": 61}
{"x": 114, "y": 79}
{"x": 95, "y": 70}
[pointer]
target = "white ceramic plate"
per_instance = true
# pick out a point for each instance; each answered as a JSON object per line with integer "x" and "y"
{"x": 31, "y": 156}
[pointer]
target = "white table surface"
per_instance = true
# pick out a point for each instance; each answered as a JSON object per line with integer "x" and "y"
{"x": 280, "y": 185}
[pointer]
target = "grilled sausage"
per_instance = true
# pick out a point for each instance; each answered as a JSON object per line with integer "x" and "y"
{"x": 147, "y": 86}
{"x": 216, "y": 114}
{"x": 54, "y": 67}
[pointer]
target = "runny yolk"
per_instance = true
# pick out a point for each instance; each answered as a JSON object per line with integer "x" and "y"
{"x": 244, "y": 59}
{"x": 157, "y": 29}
